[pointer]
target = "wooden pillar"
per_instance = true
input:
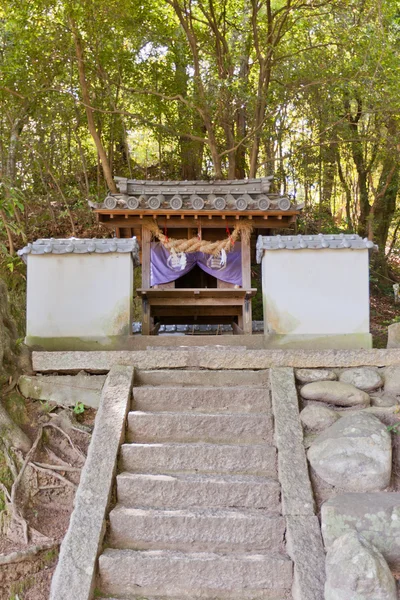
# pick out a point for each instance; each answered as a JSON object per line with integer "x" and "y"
{"x": 246, "y": 285}
{"x": 146, "y": 317}
{"x": 146, "y": 240}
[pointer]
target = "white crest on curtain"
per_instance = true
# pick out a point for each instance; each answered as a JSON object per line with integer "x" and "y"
{"x": 217, "y": 263}
{"x": 177, "y": 261}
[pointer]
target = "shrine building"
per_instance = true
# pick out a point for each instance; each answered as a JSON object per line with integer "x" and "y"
{"x": 195, "y": 242}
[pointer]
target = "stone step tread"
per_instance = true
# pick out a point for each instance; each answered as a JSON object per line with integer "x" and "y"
{"x": 196, "y": 530}
{"x": 238, "y": 428}
{"x": 198, "y": 490}
{"x": 243, "y": 399}
{"x": 199, "y": 377}
{"x": 250, "y": 459}
{"x": 171, "y": 574}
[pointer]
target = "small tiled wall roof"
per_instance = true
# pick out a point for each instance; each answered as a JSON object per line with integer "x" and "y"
{"x": 312, "y": 242}
{"x": 81, "y": 246}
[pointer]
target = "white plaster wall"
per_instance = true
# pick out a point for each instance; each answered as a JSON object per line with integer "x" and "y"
{"x": 79, "y": 295}
{"x": 316, "y": 291}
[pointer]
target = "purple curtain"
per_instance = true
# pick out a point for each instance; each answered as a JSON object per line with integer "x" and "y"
{"x": 164, "y": 270}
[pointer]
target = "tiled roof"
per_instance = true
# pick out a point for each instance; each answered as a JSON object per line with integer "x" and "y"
{"x": 312, "y": 242}
{"x": 81, "y": 246}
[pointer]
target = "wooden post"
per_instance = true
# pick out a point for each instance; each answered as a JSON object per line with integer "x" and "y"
{"x": 146, "y": 317}
{"x": 146, "y": 240}
{"x": 246, "y": 285}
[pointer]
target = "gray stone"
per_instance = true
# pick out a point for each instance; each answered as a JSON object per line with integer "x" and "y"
{"x": 65, "y": 390}
{"x": 355, "y": 570}
{"x": 305, "y": 548}
{"x": 384, "y": 400}
{"x": 375, "y": 516}
{"x": 393, "y": 336}
{"x": 364, "y": 378}
{"x": 199, "y": 458}
{"x": 195, "y": 491}
{"x": 74, "y": 576}
{"x": 317, "y": 418}
{"x": 101, "y": 361}
{"x": 311, "y": 375}
{"x": 335, "y": 392}
{"x": 168, "y": 574}
{"x": 196, "y": 530}
{"x": 392, "y": 380}
{"x": 200, "y": 427}
{"x": 202, "y": 399}
{"x": 354, "y": 454}
{"x": 297, "y": 496}
{"x": 189, "y": 378}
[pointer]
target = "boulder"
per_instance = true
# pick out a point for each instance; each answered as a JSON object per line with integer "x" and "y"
{"x": 310, "y": 375}
{"x": 392, "y": 380}
{"x": 354, "y": 454}
{"x": 335, "y": 392}
{"x": 356, "y": 570}
{"x": 316, "y": 418}
{"x": 375, "y": 516}
{"x": 384, "y": 400}
{"x": 364, "y": 378}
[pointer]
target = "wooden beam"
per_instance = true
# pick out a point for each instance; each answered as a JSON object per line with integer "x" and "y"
{"x": 190, "y": 213}
{"x": 215, "y": 223}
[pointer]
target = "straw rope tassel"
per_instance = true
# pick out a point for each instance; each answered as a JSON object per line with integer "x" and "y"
{"x": 242, "y": 229}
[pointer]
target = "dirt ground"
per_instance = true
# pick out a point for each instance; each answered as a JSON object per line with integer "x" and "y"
{"x": 45, "y": 495}
{"x": 383, "y": 312}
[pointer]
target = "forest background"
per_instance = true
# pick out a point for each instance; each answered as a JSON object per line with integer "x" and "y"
{"x": 307, "y": 90}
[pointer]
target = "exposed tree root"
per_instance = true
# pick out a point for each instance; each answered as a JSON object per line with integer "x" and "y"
{"x": 12, "y": 518}
{"x": 28, "y": 553}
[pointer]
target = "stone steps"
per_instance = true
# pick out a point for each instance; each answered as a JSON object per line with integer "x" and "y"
{"x": 198, "y": 512}
{"x": 199, "y": 378}
{"x": 189, "y": 491}
{"x": 255, "y": 459}
{"x": 167, "y": 574}
{"x": 211, "y": 428}
{"x": 196, "y": 530}
{"x": 201, "y": 399}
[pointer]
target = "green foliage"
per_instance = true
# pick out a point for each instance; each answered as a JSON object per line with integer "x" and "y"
{"x": 79, "y": 408}
{"x": 393, "y": 428}
{"x": 234, "y": 88}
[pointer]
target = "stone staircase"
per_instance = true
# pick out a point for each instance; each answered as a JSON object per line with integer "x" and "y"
{"x": 198, "y": 511}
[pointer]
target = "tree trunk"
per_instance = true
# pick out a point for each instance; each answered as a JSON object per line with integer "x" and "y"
{"x": 9, "y": 431}
{"x": 191, "y": 151}
{"x": 361, "y": 166}
{"x": 347, "y": 192}
{"x": 384, "y": 208}
{"x": 89, "y": 111}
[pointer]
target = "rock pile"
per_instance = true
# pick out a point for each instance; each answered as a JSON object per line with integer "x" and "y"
{"x": 349, "y": 447}
{"x": 345, "y": 418}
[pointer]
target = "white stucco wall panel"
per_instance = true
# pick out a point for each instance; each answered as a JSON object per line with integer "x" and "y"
{"x": 72, "y": 295}
{"x": 322, "y": 291}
